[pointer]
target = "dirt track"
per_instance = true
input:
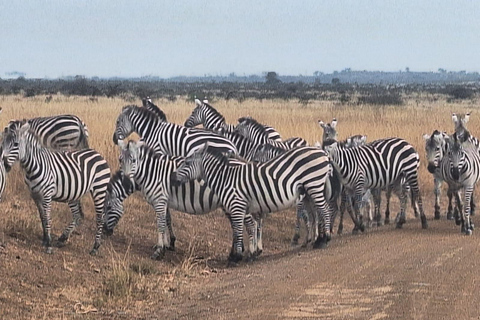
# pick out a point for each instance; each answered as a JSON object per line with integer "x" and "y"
{"x": 385, "y": 274}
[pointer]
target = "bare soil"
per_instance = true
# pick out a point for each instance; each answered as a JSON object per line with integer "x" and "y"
{"x": 385, "y": 273}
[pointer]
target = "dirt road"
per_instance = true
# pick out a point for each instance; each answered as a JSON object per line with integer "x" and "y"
{"x": 384, "y": 274}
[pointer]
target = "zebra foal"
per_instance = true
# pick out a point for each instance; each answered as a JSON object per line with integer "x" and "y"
{"x": 259, "y": 189}
{"x": 62, "y": 176}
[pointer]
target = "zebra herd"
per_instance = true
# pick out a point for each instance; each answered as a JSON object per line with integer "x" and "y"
{"x": 247, "y": 170}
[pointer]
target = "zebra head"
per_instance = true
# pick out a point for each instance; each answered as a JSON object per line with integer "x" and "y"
{"x": 435, "y": 145}
{"x": 460, "y": 121}
{"x": 198, "y": 115}
{"x": 124, "y": 125}
{"x": 329, "y": 130}
{"x": 119, "y": 188}
{"x": 129, "y": 157}
{"x": 456, "y": 156}
{"x": 11, "y": 142}
{"x": 191, "y": 168}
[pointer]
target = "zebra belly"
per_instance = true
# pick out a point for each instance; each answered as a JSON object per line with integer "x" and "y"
{"x": 263, "y": 206}
{"x": 193, "y": 198}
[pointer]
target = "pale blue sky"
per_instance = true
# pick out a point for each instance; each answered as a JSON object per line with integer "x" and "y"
{"x": 169, "y": 38}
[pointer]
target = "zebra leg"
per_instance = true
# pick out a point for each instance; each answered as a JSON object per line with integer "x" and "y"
{"x": 472, "y": 204}
{"x": 323, "y": 211}
{"x": 259, "y": 237}
{"x": 98, "y": 196}
{"x": 237, "y": 218}
{"x": 458, "y": 212}
{"x": 450, "y": 213}
{"x": 437, "y": 190}
{"x": 403, "y": 205}
{"x": 412, "y": 181}
{"x": 44, "y": 205}
{"x": 377, "y": 200}
{"x": 343, "y": 204}
{"x": 300, "y": 215}
{"x": 170, "y": 231}
{"x": 76, "y": 209}
{"x": 387, "y": 209}
{"x": 467, "y": 225}
{"x": 163, "y": 239}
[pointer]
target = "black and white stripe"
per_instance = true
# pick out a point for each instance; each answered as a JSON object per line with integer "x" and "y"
{"x": 259, "y": 189}
{"x": 211, "y": 119}
{"x": 254, "y": 131}
{"x": 62, "y": 176}
{"x": 460, "y": 166}
{"x": 167, "y": 138}
{"x": 377, "y": 165}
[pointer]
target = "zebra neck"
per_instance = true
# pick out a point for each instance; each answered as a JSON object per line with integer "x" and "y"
{"x": 215, "y": 174}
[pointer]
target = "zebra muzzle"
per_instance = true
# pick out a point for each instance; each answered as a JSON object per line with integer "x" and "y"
{"x": 174, "y": 179}
{"x": 431, "y": 168}
{"x": 6, "y": 165}
{"x": 455, "y": 173}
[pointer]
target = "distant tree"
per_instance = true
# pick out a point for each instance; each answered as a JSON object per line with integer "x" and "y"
{"x": 335, "y": 81}
{"x": 407, "y": 69}
{"x": 272, "y": 78}
{"x": 441, "y": 70}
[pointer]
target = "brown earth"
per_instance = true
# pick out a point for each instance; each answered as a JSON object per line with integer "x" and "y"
{"x": 383, "y": 274}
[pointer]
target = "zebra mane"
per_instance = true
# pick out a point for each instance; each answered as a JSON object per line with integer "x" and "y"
{"x": 218, "y": 155}
{"x": 329, "y": 142}
{"x": 149, "y": 105}
{"x": 249, "y": 121}
{"x": 144, "y": 112}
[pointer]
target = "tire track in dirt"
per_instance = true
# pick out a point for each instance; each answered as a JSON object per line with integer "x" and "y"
{"x": 384, "y": 274}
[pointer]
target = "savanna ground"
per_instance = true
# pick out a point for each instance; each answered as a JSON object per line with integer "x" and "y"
{"x": 383, "y": 274}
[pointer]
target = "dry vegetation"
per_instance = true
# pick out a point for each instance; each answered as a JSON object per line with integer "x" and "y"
{"x": 122, "y": 281}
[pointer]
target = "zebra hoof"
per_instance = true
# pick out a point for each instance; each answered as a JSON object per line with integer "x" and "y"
{"x": 362, "y": 227}
{"x": 387, "y": 221}
{"x": 60, "y": 244}
{"x": 321, "y": 242}
{"x": 450, "y": 216}
{"x": 172, "y": 244}
{"x": 339, "y": 231}
{"x": 472, "y": 226}
{"x": 437, "y": 215}
{"x": 295, "y": 241}
{"x": 49, "y": 250}
{"x": 458, "y": 222}
{"x": 399, "y": 225}
{"x": 93, "y": 252}
{"x": 379, "y": 223}
{"x": 235, "y": 257}
{"x": 469, "y": 232}
{"x": 158, "y": 254}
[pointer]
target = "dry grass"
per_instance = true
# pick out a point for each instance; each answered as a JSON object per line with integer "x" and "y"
{"x": 123, "y": 280}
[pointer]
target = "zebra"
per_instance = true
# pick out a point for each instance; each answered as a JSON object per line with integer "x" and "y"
{"x": 371, "y": 196}
{"x": 266, "y": 152}
{"x": 300, "y": 173}
{"x": 149, "y": 105}
{"x": 167, "y": 138}
{"x": 211, "y": 119}
{"x": 62, "y": 176}
{"x": 254, "y": 131}
{"x": 379, "y": 164}
{"x": 150, "y": 172}
{"x": 461, "y": 168}
{"x": 62, "y": 132}
{"x": 435, "y": 147}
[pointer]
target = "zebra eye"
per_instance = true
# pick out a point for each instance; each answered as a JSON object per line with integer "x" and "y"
{"x": 15, "y": 144}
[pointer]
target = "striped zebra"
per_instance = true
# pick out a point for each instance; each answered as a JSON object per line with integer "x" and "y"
{"x": 272, "y": 186}
{"x": 149, "y": 105}
{"x": 150, "y": 173}
{"x": 211, "y": 119}
{"x": 460, "y": 166}
{"x": 167, "y": 138}
{"x": 435, "y": 147}
{"x": 377, "y": 165}
{"x": 62, "y": 132}
{"x": 62, "y": 176}
{"x": 267, "y": 152}
{"x": 254, "y": 131}
{"x": 329, "y": 130}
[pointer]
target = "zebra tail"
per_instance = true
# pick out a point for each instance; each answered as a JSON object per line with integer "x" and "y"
{"x": 83, "y": 141}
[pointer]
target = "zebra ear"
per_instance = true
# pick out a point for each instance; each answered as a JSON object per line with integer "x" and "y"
{"x": 121, "y": 144}
{"x": 333, "y": 124}
{"x": 454, "y": 118}
{"x": 24, "y": 128}
{"x": 466, "y": 118}
{"x": 426, "y": 136}
{"x": 1, "y": 109}
{"x": 321, "y": 124}
{"x": 363, "y": 139}
{"x": 198, "y": 102}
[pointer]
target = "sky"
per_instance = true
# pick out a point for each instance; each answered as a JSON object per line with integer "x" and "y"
{"x": 109, "y": 38}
